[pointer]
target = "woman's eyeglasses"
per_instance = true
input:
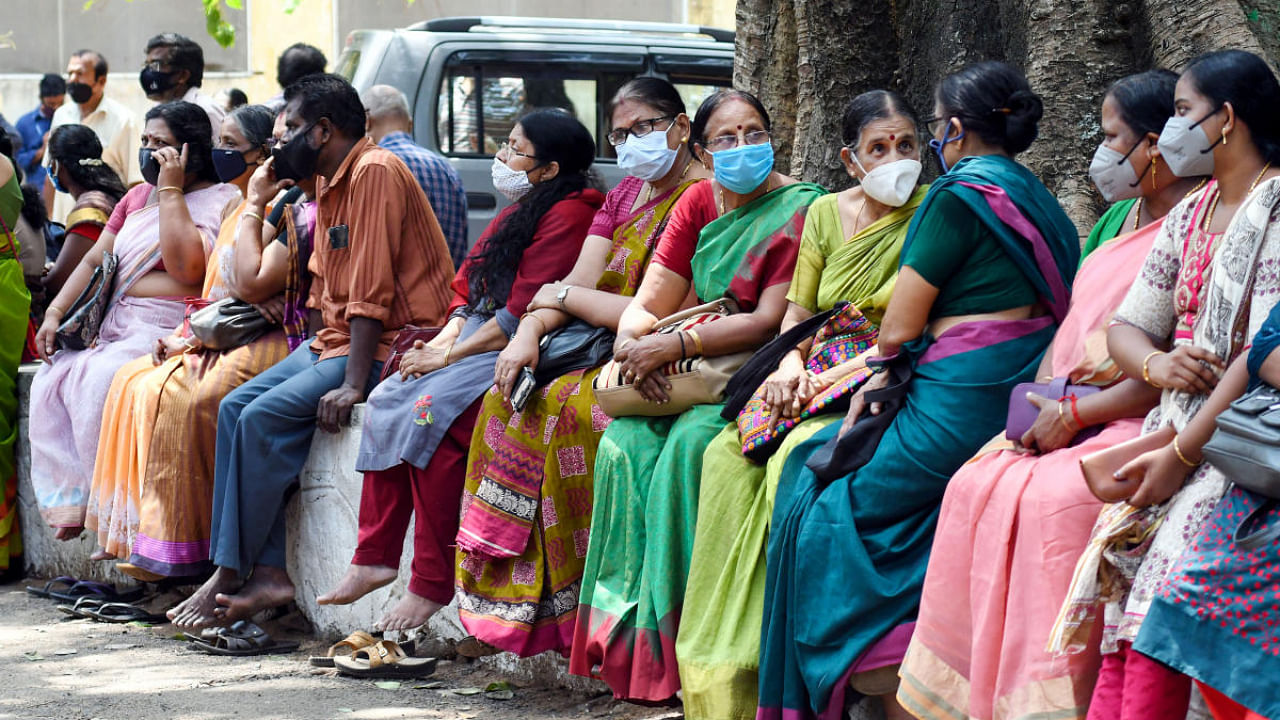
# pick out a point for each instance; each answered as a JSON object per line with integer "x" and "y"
{"x": 506, "y": 150}
{"x": 618, "y": 136}
{"x": 729, "y": 142}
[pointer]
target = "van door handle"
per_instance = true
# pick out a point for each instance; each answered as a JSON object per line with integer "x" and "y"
{"x": 481, "y": 201}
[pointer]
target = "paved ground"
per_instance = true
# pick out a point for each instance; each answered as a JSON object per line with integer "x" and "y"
{"x": 81, "y": 670}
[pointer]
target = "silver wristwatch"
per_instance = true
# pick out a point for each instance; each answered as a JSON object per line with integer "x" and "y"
{"x": 560, "y": 296}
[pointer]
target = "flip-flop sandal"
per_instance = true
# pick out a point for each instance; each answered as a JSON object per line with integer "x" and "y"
{"x": 107, "y": 592}
{"x": 116, "y": 612}
{"x": 47, "y": 591}
{"x": 82, "y": 606}
{"x": 346, "y": 646}
{"x": 241, "y": 640}
{"x": 384, "y": 659}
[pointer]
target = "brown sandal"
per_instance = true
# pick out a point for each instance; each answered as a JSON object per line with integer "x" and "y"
{"x": 384, "y": 659}
{"x": 346, "y": 646}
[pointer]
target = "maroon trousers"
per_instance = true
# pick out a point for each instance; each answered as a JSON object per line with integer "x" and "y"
{"x": 433, "y": 496}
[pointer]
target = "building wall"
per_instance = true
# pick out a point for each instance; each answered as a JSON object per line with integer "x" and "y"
{"x": 36, "y": 37}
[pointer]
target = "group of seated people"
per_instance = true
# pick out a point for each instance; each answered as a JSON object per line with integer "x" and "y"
{"x": 776, "y": 564}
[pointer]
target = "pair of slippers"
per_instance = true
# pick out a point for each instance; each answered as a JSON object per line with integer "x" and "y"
{"x": 99, "y": 609}
{"x": 241, "y": 639}
{"x": 69, "y": 590}
{"x": 364, "y": 656}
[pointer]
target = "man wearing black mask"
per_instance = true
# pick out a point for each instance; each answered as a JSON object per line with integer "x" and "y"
{"x": 379, "y": 262}
{"x": 174, "y": 70}
{"x": 117, "y": 128}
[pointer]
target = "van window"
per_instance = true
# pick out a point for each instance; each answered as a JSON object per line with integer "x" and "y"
{"x": 483, "y": 94}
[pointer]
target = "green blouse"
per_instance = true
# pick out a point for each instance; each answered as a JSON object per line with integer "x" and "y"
{"x": 861, "y": 269}
{"x": 955, "y": 252}
{"x": 1109, "y": 225}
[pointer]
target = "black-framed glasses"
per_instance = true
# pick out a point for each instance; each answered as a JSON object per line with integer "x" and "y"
{"x": 729, "y": 142}
{"x": 933, "y": 124}
{"x": 618, "y": 136}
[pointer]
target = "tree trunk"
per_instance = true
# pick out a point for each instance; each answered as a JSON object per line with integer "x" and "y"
{"x": 806, "y": 59}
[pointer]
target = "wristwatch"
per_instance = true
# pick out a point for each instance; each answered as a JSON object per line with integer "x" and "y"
{"x": 560, "y": 296}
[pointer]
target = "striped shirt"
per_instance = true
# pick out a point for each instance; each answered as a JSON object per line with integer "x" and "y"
{"x": 442, "y": 185}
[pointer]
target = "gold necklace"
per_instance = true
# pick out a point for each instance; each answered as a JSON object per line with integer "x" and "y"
{"x": 1137, "y": 216}
{"x": 720, "y": 195}
{"x": 684, "y": 172}
{"x": 1218, "y": 196}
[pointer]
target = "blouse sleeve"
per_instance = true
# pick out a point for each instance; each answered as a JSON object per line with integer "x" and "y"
{"x": 679, "y": 240}
{"x": 945, "y": 237}
{"x": 616, "y": 202}
{"x": 132, "y": 200}
{"x": 1149, "y": 304}
{"x": 557, "y": 241}
{"x": 811, "y": 259}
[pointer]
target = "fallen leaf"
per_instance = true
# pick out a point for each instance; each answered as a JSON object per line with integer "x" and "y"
{"x": 33, "y": 655}
{"x": 65, "y": 651}
{"x": 388, "y": 684}
{"x": 467, "y": 691}
{"x": 496, "y": 686}
{"x": 430, "y": 686}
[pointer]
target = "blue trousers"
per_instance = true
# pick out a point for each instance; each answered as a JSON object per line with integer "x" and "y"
{"x": 265, "y": 428}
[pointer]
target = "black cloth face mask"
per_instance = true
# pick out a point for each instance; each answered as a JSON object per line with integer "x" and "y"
{"x": 80, "y": 92}
{"x": 296, "y": 159}
{"x": 155, "y": 82}
{"x": 229, "y": 164}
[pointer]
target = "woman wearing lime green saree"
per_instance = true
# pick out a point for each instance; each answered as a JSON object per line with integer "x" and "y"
{"x": 13, "y": 329}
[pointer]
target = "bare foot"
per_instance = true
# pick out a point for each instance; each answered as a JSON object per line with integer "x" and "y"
{"x": 197, "y": 611}
{"x": 359, "y": 580}
{"x": 412, "y": 611}
{"x": 101, "y": 554}
{"x": 268, "y": 587}
{"x": 68, "y": 533}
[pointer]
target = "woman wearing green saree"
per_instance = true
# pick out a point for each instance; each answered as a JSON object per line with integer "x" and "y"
{"x": 985, "y": 270}
{"x": 849, "y": 251}
{"x": 15, "y": 301}
{"x": 738, "y": 237}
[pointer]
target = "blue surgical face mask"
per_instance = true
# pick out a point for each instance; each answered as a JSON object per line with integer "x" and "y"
{"x": 744, "y": 168}
{"x": 938, "y": 145}
{"x": 53, "y": 177}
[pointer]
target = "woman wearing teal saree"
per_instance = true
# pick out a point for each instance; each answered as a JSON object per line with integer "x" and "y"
{"x": 738, "y": 237}
{"x": 985, "y": 270}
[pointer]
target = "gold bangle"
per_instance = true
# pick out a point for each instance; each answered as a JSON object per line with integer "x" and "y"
{"x": 446, "y": 353}
{"x": 1062, "y": 417}
{"x": 535, "y": 317}
{"x": 1178, "y": 451}
{"x": 1146, "y": 372}
{"x": 169, "y": 188}
{"x": 254, "y": 215}
{"x": 697, "y": 342}
{"x": 61, "y": 312}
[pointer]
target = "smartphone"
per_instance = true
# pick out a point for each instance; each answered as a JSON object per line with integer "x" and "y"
{"x": 523, "y": 389}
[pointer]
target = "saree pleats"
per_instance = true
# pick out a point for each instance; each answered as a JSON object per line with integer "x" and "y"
{"x": 13, "y": 328}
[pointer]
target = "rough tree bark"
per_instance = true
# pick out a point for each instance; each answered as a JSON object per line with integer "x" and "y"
{"x": 806, "y": 58}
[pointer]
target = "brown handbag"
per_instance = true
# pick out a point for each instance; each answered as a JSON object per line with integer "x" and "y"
{"x": 1100, "y": 468}
{"x": 694, "y": 381}
{"x": 408, "y": 335}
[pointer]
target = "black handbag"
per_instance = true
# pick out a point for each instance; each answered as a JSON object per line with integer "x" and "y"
{"x": 228, "y": 324}
{"x": 1246, "y": 448}
{"x": 844, "y": 454}
{"x": 755, "y": 371}
{"x": 576, "y": 346}
{"x": 80, "y": 325}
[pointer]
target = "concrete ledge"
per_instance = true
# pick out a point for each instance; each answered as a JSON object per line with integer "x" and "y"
{"x": 322, "y": 538}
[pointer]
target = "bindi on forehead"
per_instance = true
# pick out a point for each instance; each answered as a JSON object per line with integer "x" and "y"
{"x": 892, "y": 138}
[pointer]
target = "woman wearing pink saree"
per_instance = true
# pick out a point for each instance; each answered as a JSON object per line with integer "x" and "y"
{"x": 1015, "y": 520}
{"x": 162, "y": 233}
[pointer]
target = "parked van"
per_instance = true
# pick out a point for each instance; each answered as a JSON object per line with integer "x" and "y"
{"x": 469, "y": 79}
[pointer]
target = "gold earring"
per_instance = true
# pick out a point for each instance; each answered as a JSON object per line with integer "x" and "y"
{"x": 1224, "y": 134}
{"x": 1155, "y": 172}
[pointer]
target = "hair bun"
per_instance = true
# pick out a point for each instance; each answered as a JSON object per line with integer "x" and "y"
{"x": 1022, "y": 121}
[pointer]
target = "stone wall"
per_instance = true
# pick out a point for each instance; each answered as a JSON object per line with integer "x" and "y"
{"x": 322, "y": 537}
